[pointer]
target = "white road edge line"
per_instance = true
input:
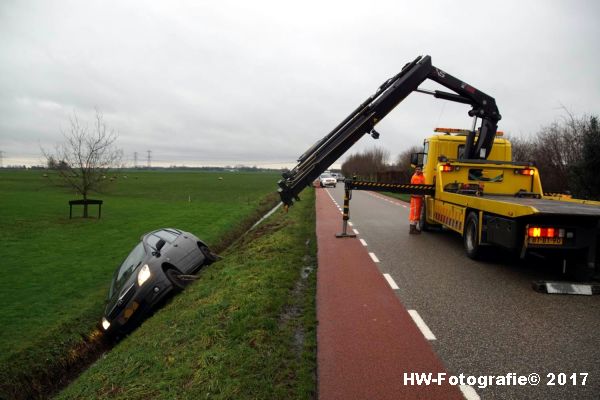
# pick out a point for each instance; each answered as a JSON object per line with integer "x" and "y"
{"x": 469, "y": 392}
{"x": 362, "y": 241}
{"x": 391, "y": 281}
{"x": 332, "y": 199}
{"x": 421, "y": 325}
{"x": 374, "y": 257}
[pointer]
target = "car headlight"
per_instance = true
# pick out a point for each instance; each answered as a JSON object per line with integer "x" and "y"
{"x": 143, "y": 275}
{"x": 105, "y": 324}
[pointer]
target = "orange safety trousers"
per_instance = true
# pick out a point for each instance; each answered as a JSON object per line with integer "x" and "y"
{"x": 415, "y": 209}
{"x": 416, "y": 202}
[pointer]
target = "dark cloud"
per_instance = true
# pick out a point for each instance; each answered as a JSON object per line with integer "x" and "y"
{"x": 261, "y": 81}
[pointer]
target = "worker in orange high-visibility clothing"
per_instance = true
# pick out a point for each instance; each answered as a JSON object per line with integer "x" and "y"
{"x": 416, "y": 201}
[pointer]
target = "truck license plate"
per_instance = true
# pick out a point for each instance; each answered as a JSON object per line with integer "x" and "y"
{"x": 545, "y": 241}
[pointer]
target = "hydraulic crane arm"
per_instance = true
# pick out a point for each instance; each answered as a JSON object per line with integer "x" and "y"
{"x": 363, "y": 120}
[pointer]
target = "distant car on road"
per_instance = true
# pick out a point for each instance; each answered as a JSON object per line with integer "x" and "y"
{"x": 151, "y": 271}
{"x": 326, "y": 180}
{"x": 338, "y": 177}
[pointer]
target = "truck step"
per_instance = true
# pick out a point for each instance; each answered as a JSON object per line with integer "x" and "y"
{"x": 557, "y": 287}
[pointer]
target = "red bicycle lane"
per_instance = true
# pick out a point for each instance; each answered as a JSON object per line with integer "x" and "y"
{"x": 366, "y": 339}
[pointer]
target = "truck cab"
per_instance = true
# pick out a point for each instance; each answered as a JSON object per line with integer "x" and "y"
{"x": 450, "y": 144}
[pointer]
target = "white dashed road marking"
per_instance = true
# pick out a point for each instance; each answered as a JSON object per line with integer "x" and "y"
{"x": 362, "y": 241}
{"x": 469, "y": 392}
{"x": 391, "y": 281}
{"x": 356, "y": 232}
{"x": 421, "y": 325}
{"x": 374, "y": 257}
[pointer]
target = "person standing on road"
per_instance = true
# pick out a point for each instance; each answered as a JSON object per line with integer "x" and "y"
{"x": 416, "y": 201}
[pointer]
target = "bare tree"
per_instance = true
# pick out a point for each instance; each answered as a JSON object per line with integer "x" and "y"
{"x": 403, "y": 166}
{"x": 565, "y": 153}
{"x": 556, "y": 148}
{"x": 585, "y": 176}
{"x": 366, "y": 164}
{"x": 85, "y": 156}
{"x": 521, "y": 148}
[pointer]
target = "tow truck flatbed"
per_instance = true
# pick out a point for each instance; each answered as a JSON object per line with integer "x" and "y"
{"x": 551, "y": 207}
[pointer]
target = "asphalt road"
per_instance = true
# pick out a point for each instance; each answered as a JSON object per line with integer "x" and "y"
{"x": 485, "y": 316}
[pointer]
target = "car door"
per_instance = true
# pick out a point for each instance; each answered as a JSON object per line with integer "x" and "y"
{"x": 183, "y": 251}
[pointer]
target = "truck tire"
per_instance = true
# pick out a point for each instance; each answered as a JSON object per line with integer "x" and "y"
{"x": 471, "y": 236}
{"x": 423, "y": 224}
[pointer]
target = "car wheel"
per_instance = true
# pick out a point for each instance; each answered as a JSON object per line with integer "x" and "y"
{"x": 208, "y": 255}
{"x": 173, "y": 276}
{"x": 471, "y": 236}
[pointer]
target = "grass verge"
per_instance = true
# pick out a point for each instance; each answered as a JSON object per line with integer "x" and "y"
{"x": 58, "y": 270}
{"x": 245, "y": 330}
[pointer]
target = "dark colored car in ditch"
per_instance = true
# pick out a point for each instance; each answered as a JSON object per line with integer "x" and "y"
{"x": 155, "y": 268}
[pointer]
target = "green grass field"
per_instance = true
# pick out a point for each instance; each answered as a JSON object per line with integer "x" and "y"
{"x": 56, "y": 271}
{"x": 245, "y": 330}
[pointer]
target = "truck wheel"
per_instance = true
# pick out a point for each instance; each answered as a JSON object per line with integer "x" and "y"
{"x": 471, "y": 236}
{"x": 423, "y": 224}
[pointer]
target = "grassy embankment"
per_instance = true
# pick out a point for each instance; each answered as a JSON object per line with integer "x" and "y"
{"x": 56, "y": 271}
{"x": 245, "y": 329}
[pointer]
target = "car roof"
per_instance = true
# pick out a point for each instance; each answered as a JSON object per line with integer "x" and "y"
{"x": 167, "y": 234}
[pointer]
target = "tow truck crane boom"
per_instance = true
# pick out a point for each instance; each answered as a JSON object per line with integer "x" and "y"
{"x": 364, "y": 118}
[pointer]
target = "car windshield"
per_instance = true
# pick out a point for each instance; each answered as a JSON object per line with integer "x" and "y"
{"x": 133, "y": 260}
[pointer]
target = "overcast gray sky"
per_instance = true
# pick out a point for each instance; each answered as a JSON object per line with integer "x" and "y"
{"x": 258, "y": 82}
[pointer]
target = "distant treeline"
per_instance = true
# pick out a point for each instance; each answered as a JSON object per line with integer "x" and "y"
{"x": 374, "y": 164}
{"x": 567, "y": 154}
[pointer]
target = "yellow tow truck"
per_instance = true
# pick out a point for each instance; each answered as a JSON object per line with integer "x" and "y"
{"x": 472, "y": 185}
{"x": 501, "y": 202}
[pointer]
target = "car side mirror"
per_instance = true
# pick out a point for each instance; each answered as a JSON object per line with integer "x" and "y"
{"x": 159, "y": 245}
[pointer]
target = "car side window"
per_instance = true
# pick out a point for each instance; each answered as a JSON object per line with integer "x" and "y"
{"x": 152, "y": 240}
{"x": 167, "y": 236}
